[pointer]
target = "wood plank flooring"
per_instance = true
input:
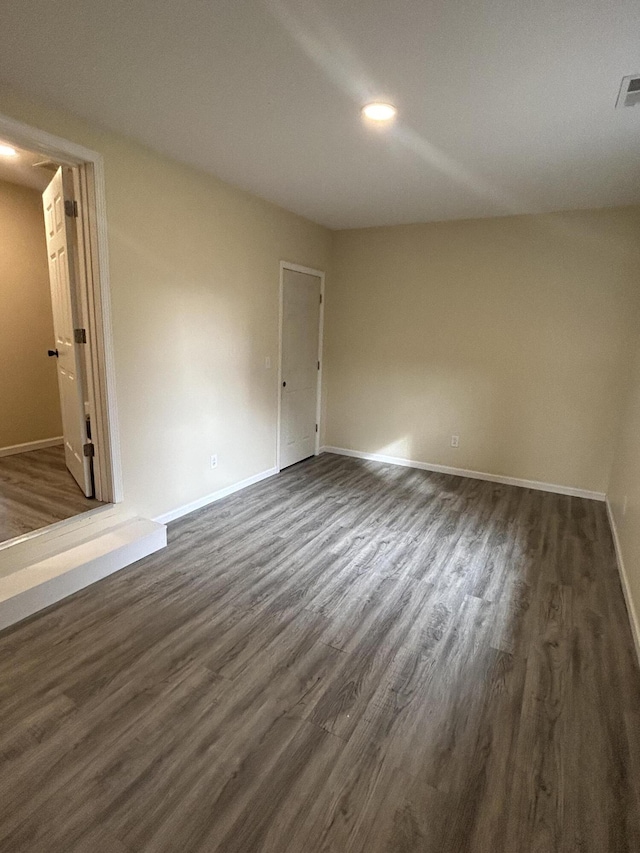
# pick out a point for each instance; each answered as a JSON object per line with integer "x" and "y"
{"x": 37, "y": 490}
{"x": 346, "y": 658}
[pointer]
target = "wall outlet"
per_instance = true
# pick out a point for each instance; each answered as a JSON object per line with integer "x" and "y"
{"x": 214, "y": 460}
{"x": 455, "y": 441}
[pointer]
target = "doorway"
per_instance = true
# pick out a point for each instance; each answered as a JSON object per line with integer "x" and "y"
{"x": 73, "y": 467}
{"x": 300, "y": 373}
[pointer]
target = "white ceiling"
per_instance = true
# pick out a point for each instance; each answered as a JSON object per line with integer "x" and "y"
{"x": 24, "y": 169}
{"x": 504, "y": 105}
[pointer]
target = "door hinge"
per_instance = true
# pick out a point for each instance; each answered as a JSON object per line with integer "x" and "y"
{"x": 80, "y": 336}
{"x": 70, "y": 207}
{"x": 316, "y": 427}
{"x": 318, "y": 365}
{"x": 89, "y": 449}
{"x": 320, "y": 299}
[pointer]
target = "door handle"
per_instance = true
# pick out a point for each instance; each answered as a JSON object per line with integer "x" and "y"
{"x": 53, "y": 352}
{"x": 284, "y": 384}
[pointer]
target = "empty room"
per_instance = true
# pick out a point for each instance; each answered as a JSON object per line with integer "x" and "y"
{"x": 319, "y": 427}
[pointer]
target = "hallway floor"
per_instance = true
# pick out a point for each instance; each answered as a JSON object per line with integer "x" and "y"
{"x": 36, "y": 490}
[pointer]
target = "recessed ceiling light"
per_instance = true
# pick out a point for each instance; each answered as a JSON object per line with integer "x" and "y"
{"x": 379, "y": 112}
{"x": 7, "y": 151}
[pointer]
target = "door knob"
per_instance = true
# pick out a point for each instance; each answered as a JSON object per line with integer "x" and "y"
{"x": 52, "y": 352}
{"x": 284, "y": 384}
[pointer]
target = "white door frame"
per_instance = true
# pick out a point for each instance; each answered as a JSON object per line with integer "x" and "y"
{"x": 286, "y": 265}
{"x": 94, "y": 296}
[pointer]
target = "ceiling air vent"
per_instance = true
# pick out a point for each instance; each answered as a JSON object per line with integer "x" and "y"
{"x": 629, "y": 91}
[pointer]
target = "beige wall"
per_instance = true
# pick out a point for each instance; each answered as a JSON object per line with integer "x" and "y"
{"x": 194, "y": 281}
{"x": 509, "y": 332}
{"x": 29, "y": 403}
{"x": 624, "y": 488}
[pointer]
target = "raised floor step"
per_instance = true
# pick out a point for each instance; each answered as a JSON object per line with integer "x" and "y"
{"x": 33, "y": 587}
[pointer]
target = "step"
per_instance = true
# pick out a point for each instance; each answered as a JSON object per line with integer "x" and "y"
{"x": 35, "y": 546}
{"x": 33, "y": 587}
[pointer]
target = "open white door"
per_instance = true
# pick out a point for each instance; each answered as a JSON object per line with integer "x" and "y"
{"x": 66, "y": 352}
{"x": 299, "y": 365}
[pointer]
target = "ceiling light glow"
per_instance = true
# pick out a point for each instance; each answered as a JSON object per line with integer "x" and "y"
{"x": 7, "y": 151}
{"x": 379, "y": 112}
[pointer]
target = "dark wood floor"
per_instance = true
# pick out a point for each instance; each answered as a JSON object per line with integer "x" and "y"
{"x": 348, "y": 657}
{"x": 36, "y": 490}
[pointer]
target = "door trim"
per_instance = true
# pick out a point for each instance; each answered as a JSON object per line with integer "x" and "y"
{"x": 286, "y": 265}
{"x": 94, "y": 292}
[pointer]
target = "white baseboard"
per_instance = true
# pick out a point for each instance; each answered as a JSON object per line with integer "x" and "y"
{"x": 624, "y": 580}
{"x": 463, "y": 472}
{"x": 173, "y": 514}
{"x": 31, "y": 445}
